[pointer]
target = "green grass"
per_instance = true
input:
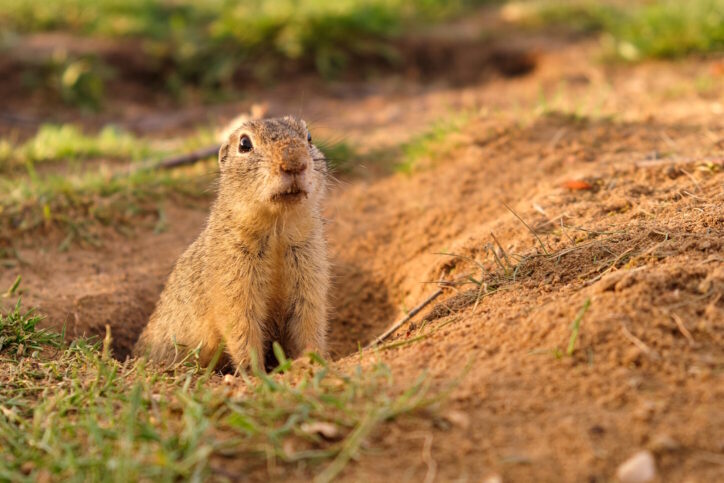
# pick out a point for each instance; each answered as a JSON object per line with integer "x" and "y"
{"x": 55, "y": 142}
{"x": 71, "y": 412}
{"x": 670, "y": 29}
{"x": 211, "y": 43}
{"x": 77, "y": 204}
{"x": 78, "y": 198}
{"x": 18, "y": 332}
{"x": 76, "y": 79}
{"x": 422, "y": 150}
{"x": 576, "y": 327}
{"x": 579, "y": 16}
{"x": 341, "y": 156}
{"x": 435, "y": 142}
{"x": 67, "y": 142}
{"x": 659, "y": 29}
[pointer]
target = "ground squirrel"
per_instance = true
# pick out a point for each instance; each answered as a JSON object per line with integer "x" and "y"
{"x": 258, "y": 272}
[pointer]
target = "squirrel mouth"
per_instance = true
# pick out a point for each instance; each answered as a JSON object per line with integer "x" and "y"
{"x": 290, "y": 195}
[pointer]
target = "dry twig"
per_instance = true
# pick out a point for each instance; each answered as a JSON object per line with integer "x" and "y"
{"x": 391, "y": 330}
{"x": 682, "y": 328}
{"x": 184, "y": 159}
{"x": 638, "y": 342}
{"x": 502, "y": 250}
{"x": 528, "y": 227}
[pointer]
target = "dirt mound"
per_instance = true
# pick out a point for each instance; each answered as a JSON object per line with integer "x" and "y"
{"x": 400, "y": 225}
{"x": 642, "y": 241}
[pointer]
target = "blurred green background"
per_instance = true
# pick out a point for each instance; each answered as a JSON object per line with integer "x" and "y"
{"x": 214, "y": 45}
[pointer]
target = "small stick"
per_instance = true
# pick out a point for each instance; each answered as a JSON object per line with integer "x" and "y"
{"x": 528, "y": 227}
{"x": 483, "y": 287}
{"x": 505, "y": 255}
{"x": 563, "y": 230}
{"x": 17, "y": 119}
{"x": 638, "y": 342}
{"x": 184, "y": 159}
{"x": 610, "y": 267}
{"x": 257, "y": 111}
{"x": 107, "y": 342}
{"x": 682, "y": 328}
{"x": 400, "y": 322}
{"x": 692, "y": 178}
{"x": 497, "y": 260}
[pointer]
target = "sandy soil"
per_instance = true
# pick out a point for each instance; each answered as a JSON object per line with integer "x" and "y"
{"x": 644, "y": 242}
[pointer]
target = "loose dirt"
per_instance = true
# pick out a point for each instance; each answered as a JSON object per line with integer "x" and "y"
{"x": 644, "y": 242}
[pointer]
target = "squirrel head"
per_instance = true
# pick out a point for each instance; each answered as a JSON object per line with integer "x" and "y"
{"x": 272, "y": 164}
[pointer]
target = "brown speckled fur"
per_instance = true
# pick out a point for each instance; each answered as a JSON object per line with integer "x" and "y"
{"x": 258, "y": 273}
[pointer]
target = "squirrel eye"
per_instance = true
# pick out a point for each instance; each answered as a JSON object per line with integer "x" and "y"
{"x": 309, "y": 137}
{"x": 245, "y": 144}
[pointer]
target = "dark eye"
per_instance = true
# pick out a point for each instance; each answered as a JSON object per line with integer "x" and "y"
{"x": 309, "y": 137}
{"x": 245, "y": 144}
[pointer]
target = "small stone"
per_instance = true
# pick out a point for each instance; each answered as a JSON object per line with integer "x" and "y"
{"x": 288, "y": 448}
{"x": 645, "y": 411}
{"x": 27, "y": 467}
{"x": 663, "y": 442}
{"x": 493, "y": 479}
{"x": 625, "y": 282}
{"x": 640, "y": 468}
{"x": 608, "y": 282}
{"x": 328, "y": 431}
{"x": 44, "y": 476}
{"x": 229, "y": 380}
{"x": 457, "y": 418}
{"x": 672, "y": 172}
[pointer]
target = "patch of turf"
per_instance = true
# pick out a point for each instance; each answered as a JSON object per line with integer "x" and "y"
{"x": 433, "y": 143}
{"x": 669, "y": 29}
{"x": 579, "y": 16}
{"x": 78, "y": 203}
{"x": 67, "y": 142}
{"x": 19, "y": 334}
{"x": 658, "y": 29}
{"x": 77, "y": 197}
{"x": 76, "y": 79}
{"x": 81, "y": 415}
{"x": 341, "y": 155}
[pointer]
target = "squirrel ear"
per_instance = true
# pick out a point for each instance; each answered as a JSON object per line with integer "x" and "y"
{"x": 223, "y": 153}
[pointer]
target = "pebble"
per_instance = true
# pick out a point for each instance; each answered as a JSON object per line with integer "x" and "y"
{"x": 664, "y": 442}
{"x": 458, "y": 418}
{"x": 640, "y": 468}
{"x": 328, "y": 431}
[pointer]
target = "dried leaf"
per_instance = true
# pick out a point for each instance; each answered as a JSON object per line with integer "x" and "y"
{"x": 577, "y": 185}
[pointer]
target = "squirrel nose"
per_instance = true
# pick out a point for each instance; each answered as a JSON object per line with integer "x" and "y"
{"x": 293, "y": 166}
